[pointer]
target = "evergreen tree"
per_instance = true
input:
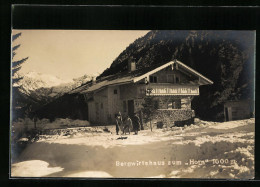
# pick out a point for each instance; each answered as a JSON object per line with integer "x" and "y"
{"x": 149, "y": 107}
{"x": 17, "y": 104}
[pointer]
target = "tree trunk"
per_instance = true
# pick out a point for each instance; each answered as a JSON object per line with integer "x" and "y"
{"x": 151, "y": 125}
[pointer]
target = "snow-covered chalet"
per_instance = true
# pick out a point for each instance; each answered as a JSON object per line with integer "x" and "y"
{"x": 172, "y": 85}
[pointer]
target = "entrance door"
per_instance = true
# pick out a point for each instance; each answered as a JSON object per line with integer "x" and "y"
{"x": 226, "y": 114}
{"x": 130, "y": 108}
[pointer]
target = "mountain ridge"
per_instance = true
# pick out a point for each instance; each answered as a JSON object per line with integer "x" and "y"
{"x": 225, "y": 57}
{"x": 44, "y": 88}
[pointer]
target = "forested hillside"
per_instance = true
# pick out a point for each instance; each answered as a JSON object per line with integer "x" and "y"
{"x": 225, "y": 57}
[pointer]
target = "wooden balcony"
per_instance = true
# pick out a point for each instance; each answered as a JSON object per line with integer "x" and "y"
{"x": 161, "y": 89}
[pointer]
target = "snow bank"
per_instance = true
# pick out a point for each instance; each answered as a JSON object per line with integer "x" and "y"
{"x": 28, "y": 124}
{"x": 92, "y": 152}
{"x": 61, "y": 123}
{"x": 233, "y": 124}
{"x": 90, "y": 174}
{"x": 36, "y": 168}
{"x": 21, "y": 127}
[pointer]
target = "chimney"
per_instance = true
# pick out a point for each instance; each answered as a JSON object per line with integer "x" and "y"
{"x": 94, "y": 79}
{"x": 131, "y": 65}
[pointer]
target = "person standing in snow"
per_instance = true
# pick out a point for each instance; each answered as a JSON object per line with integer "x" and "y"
{"x": 136, "y": 123}
{"x": 119, "y": 122}
{"x": 128, "y": 125}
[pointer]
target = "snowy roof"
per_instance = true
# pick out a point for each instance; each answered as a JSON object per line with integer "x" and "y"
{"x": 104, "y": 83}
{"x": 135, "y": 76}
{"x": 207, "y": 81}
{"x": 80, "y": 88}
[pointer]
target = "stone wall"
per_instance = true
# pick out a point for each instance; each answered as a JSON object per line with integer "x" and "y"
{"x": 174, "y": 117}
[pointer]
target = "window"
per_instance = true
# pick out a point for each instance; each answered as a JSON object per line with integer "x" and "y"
{"x": 169, "y": 105}
{"x": 115, "y": 91}
{"x": 174, "y": 104}
{"x": 177, "y": 79}
{"x": 101, "y": 105}
{"x": 156, "y": 104}
{"x": 170, "y": 78}
{"x": 173, "y": 78}
{"x": 153, "y": 79}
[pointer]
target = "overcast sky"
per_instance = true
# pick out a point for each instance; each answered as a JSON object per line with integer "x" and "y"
{"x": 71, "y": 53}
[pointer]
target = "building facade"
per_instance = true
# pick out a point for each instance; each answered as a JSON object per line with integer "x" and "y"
{"x": 172, "y": 86}
{"x": 237, "y": 110}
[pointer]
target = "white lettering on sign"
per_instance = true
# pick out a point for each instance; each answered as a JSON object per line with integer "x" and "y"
{"x": 173, "y": 90}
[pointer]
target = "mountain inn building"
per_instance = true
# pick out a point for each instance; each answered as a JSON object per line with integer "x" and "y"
{"x": 172, "y": 85}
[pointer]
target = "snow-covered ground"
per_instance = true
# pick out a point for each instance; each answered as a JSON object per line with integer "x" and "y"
{"x": 204, "y": 150}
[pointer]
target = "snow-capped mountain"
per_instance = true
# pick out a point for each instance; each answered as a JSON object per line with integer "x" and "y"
{"x": 34, "y": 80}
{"x": 44, "y": 87}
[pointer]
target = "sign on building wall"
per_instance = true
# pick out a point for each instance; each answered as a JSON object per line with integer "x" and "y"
{"x": 174, "y": 90}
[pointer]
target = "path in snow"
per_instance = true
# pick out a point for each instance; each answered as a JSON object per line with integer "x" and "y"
{"x": 147, "y": 154}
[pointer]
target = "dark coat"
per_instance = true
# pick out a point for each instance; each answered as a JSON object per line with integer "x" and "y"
{"x": 136, "y": 123}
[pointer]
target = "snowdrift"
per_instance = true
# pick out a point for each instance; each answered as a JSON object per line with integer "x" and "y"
{"x": 206, "y": 150}
{"x": 28, "y": 124}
